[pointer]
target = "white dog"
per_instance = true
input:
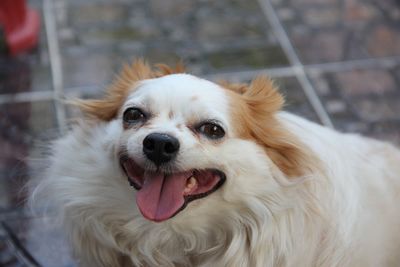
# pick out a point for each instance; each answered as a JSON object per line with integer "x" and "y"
{"x": 219, "y": 177}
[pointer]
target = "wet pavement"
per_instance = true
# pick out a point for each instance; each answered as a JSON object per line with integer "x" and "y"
{"x": 336, "y": 61}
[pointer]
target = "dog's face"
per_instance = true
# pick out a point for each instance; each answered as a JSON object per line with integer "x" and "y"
{"x": 186, "y": 139}
{"x": 172, "y": 148}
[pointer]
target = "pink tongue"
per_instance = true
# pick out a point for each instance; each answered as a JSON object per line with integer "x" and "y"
{"x": 161, "y": 197}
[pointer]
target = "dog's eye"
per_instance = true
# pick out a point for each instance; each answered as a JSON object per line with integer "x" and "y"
{"x": 211, "y": 130}
{"x": 133, "y": 115}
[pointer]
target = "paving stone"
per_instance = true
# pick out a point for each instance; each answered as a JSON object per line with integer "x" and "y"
{"x": 366, "y": 82}
{"x": 314, "y": 2}
{"x": 23, "y": 127}
{"x": 243, "y": 5}
{"x": 389, "y": 9}
{"x": 383, "y": 40}
{"x": 325, "y": 31}
{"x": 87, "y": 14}
{"x": 15, "y": 76}
{"x": 116, "y": 35}
{"x": 321, "y": 85}
{"x": 324, "y": 46}
{"x": 363, "y": 101}
{"x": 388, "y": 131}
{"x": 335, "y": 106}
{"x": 24, "y": 75}
{"x": 205, "y": 34}
{"x": 286, "y": 14}
{"x": 352, "y": 126}
{"x": 248, "y": 58}
{"x": 97, "y": 68}
{"x": 322, "y": 17}
{"x": 377, "y": 109}
{"x": 396, "y": 72}
{"x": 171, "y": 8}
{"x": 44, "y": 241}
{"x": 35, "y": 3}
{"x": 357, "y": 12}
{"x": 161, "y": 55}
{"x": 295, "y": 99}
{"x": 343, "y": 115}
{"x": 212, "y": 25}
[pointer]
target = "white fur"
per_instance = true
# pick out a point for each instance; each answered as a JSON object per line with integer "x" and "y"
{"x": 344, "y": 216}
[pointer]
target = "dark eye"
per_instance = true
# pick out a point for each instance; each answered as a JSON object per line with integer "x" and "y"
{"x": 133, "y": 115}
{"x": 211, "y": 130}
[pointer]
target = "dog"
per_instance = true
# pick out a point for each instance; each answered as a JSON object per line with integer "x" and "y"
{"x": 168, "y": 169}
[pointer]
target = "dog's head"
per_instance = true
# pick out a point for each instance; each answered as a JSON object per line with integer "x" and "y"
{"x": 185, "y": 138}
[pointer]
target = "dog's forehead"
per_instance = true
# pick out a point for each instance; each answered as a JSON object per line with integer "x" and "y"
{"x": 180, "y": 91}
{"x": 182, "y": 85}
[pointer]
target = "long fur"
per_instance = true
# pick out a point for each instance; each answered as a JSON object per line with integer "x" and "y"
{"x": 297, "y": 194}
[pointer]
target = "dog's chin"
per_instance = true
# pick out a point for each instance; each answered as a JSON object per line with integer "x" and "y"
{"x": 161, "y": 195}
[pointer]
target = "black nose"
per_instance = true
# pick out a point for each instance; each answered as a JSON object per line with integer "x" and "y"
{"x": 160, "y": 148}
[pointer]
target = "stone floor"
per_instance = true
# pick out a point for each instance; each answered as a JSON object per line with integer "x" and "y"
{"x": 337, "y": 62}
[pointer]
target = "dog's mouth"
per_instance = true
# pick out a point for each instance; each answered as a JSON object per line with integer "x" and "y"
{"x": 162, "y": 195}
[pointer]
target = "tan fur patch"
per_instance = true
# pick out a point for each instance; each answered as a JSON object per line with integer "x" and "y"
{"x": 107, "y": 108}
{"x": 253, "y": 110}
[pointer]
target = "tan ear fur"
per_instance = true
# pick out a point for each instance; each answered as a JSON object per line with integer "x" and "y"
{"x": 107, "y": 108}
{"x": 254, "y": 119}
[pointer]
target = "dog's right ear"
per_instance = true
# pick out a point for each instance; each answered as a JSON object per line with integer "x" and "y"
{"x": 254, "y": 116}
{"x": 107, "y": 108}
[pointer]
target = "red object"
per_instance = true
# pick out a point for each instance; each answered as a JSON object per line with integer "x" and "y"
{"x": 20, "y": 25}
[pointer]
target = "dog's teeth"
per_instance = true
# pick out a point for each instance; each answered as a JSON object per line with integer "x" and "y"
{"x": 190, "y": 184}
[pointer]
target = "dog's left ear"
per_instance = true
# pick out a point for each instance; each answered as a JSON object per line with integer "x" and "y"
{"x": 107, "y": 108}
{"x": 256, "y": 108}
{"x": 263, "y": 97}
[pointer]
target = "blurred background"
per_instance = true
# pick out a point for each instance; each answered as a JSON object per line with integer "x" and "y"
{"x": 336, "y": 61}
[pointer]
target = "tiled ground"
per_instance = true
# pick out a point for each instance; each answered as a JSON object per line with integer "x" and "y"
{"x": 366, "y": 100}
{"x": 343, "y": 54}
{"x": 212, "y": 36}
{"x": 332, "y": 30}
